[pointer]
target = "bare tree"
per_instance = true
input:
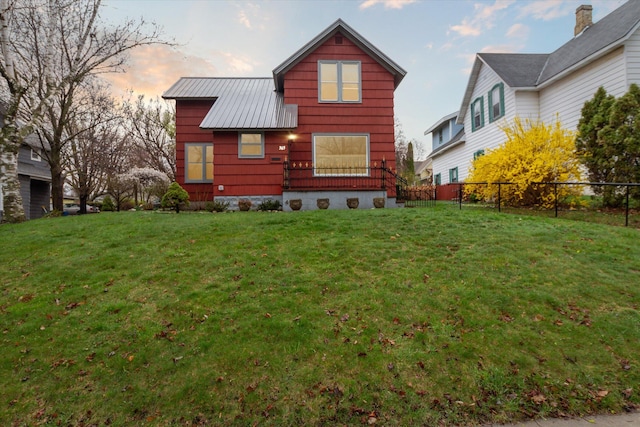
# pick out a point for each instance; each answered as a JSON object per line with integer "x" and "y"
{"x": 48, "y": 49}
{"x": 152, "y": 127}
{"x": 99, "y": 148}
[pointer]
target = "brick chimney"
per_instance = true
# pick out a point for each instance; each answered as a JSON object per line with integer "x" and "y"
{"x": 583, "y": 18}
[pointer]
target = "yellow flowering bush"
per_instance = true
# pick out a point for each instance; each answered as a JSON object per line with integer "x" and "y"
{"x": 533, "y": 153}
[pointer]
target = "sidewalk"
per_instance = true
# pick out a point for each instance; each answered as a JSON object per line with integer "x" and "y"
{"x": 631, "y": 419}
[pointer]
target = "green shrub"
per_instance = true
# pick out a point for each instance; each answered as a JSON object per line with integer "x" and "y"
{"x": 107, "y": 205}
{"x": 270, "y": 205}
{"x": 216, "y": 206}
{"x": 175, "y": 197}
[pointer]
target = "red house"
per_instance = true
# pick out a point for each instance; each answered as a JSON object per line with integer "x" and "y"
{"x": 321, "y": 128}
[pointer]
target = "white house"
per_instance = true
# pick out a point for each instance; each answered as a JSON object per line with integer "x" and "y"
{"x": 541, "y": 86}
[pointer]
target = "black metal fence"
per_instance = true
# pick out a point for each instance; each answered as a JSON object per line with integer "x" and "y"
{"x": 621, "y": 189}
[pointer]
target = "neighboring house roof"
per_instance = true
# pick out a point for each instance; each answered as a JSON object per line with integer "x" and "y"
{"x": 457, "y": 139}
{"x": 531, "y": 71}
{"x": 599, "y": 38}
{"x": 516, "y": 69}
{"x": 239, "y": 103}
{"x": 440, "y": 122}
{"x": 425, "y": 164}
{"x": 338, "y": 27}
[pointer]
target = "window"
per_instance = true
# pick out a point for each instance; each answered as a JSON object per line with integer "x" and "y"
{"x": 438, "y": 179}
{"x": 496, "y": 102}
{"x": 251, "y": 145}
{"x": 35, "y": 155}
{"x": 440, "y": 135}
{"x": 478, "y": 154}
{"x": 477, "y": 114}
{"x": 339, "y": 81}
{"x": 198, "y": 162}
{"x": 340, "y": 154}
{"x": 453, "y": 175}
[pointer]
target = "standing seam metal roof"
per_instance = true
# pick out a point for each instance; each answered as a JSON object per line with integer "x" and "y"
{"x": 239, "y": 103}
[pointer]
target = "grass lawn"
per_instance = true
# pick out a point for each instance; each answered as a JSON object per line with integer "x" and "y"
{"x": 387, "y": 317}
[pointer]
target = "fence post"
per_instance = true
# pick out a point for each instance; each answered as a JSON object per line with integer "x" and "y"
{"x": 285, "y": 172}
{"x": 555, "y": 196}
{"x": 499, "y": 200}
{"x": 460, "y": 194}
{"x": 626, "y": 213}
{"x": 383, "y": 175}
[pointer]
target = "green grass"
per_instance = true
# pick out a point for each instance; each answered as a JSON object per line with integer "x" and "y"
{"x": 398, "y": 317}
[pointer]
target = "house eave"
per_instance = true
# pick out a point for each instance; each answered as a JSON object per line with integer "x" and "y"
{"x": 338, "y": 26}
{"x": 440, "y": 122}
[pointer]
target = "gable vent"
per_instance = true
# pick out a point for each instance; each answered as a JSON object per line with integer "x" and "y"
{"x": 338, "y": 39}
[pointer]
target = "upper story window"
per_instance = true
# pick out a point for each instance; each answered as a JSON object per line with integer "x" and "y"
{"x": 496, "y": 102}
{"x": 339, "y": 81}
{"x": 477, "y": 114}
{"x": 440, "y": 135}
{"x": 198, "y": 162}
{"x": 35, "y": 155}
{"x": 251, "y": 145}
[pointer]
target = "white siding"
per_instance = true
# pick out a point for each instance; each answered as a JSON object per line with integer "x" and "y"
{"x": 632, "y": 54}
{"x": 452, "y": 158}
{"x": 566, "y": 97}
{"x": 527, "y": 105}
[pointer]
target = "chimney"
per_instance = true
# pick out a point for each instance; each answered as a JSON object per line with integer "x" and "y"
{"x": 583, "y": 18}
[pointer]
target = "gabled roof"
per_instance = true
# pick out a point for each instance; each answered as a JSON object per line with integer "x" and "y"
{"x": 516, "y": 69}
{"x": 341, "y": 27}
{"x": 532, "y": 71}
{"x": 599, "y": 38}
{"x": 239, "y": 103}
{"x": 441, "y": 122}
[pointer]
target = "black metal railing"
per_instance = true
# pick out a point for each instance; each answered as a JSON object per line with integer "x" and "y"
{"x": 624, "y": 190}
{"x": 305, "y": 176}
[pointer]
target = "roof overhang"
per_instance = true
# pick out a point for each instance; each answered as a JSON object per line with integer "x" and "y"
{"x": 341, "y": 27}
{"x": 440, "y": 122}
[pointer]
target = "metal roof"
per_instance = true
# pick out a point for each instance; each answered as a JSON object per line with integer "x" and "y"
{"x": 239, "y": 103}
{"x": 341, "y": 27}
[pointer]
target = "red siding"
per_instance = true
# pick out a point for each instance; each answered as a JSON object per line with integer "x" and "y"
{"x": 374, "y": 115}
{"x": 246, "y": 177}
{"x": 189, "y": 115}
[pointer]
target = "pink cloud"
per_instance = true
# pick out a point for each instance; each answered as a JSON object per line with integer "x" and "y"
{"x": 153, "y": 69}
{"x": 388, "y": 4}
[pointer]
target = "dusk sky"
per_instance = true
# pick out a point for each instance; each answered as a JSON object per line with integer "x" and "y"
{"x": 435, "y": 41}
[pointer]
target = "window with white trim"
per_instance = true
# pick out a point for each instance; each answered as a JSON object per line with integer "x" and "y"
{"x": 477, "y": 114}
{"x": 453, "y": 174}
{"x": 339, "y": 81}
{"x": 198, "y": 162}
{"x": 496, "y": 102}
{"x": 251, "y": 145}
{"x": 438, "y": 179}
{"x": 337, "y": 154}
{"x": 35, "y": 155}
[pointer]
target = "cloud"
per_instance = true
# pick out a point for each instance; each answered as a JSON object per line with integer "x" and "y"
{"x": 483, "y": 18}
{"x": 153, "y": 69}
{"x": 388, "y": 4}
{"x": 244, "y": 20}
{"x": 546, "y": 10}
{"x": 519, "y": 31}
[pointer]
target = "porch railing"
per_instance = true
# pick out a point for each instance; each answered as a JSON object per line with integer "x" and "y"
{"x": 304, "y": 176}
